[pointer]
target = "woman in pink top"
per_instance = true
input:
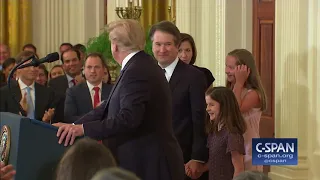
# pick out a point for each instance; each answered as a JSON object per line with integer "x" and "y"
{"x": 244, "y": 79}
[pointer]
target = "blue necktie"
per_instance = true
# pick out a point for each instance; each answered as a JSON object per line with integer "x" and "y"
{"x": 30, "y": 111}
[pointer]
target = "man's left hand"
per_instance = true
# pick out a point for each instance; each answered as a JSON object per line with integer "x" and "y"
{"x": 194, "y": 169}
{"x": 69, "y": 132}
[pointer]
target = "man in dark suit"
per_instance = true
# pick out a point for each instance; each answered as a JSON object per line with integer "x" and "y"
{"x": 36, "y": 100}
{"x": 187, "y": 86}
{"x": 135, "y": 121}
{"x": 73, "y": 76}
{"x": 86, "y": 96}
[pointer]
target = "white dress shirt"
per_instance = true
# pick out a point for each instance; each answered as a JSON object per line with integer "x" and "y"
{"x": 169, "y": 69}
{"x": 23, "y": 89}
{"x": 127, "y": 58}
{"x": 92, "y": 92}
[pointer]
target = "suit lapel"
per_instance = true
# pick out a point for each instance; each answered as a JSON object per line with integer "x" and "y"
{"x": 16, "y": 91}
{"x": 87, "y": 95}
{"x": 39, "y": 101}
{"x": 176, "y": 75}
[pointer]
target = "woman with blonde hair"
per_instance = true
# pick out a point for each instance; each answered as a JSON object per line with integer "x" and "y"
{"x": 244, "y": 79}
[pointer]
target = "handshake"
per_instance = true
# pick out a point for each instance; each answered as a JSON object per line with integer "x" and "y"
{"x": 195, "y": 169}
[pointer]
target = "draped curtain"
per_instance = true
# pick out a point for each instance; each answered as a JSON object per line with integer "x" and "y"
{"x": 15, "y": 24}
{"x": 154, "y": 11}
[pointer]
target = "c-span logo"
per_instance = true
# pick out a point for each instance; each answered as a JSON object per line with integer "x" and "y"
{"x": 274, "y": 151}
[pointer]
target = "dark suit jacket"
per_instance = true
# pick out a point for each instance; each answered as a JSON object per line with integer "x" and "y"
{"x": 137, "y": 122}
{"x": 60, "y": 86}
{"x": 188, "y": 99}
{"x": 208, "y": 75}
{"x": 44, "y": 99}
{"x": 78, "y": 101}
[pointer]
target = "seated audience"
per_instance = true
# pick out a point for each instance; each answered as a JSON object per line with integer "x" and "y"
{"x": 252, "y": 175}
{"x": 115, "y": 174}
{"x": 83, "y": 160}
{"x": 188, "y": 54}
{"x": 86, "y": 96}
{"x": 56, "y": 71}
{"x": 36, "y": 100}
{"x": 6, "y": 172}
{"x": 42, "y": 77}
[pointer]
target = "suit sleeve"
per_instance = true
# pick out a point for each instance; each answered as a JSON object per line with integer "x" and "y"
{"x": 70, "y": 107}
{"x": 134, "y": 96}
{"x": 3, "y": 98}
{"x": 94, "y": 115}
{"x": 197, "y": 99}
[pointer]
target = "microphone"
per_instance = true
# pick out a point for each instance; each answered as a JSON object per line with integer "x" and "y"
{"x": 36, "y": 62}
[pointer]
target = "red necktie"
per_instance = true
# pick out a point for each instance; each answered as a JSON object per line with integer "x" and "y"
{"x": 74, "y": 82}
{"x": 96, "y": 97}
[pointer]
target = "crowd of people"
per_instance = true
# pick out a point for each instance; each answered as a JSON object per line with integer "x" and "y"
{"x": 161, "y": 120}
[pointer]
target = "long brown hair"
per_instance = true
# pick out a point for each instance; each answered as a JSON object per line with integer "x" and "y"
{"x": 244, "y": 57}
{"x": 83, "y": 160}
{"x": 189, "y": 38}
{"x": 230, "y": 115}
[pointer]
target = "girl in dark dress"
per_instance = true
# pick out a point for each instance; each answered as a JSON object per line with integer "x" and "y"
{"x": 225, "y": 126}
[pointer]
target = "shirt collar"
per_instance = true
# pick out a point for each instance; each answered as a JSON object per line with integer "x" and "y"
{"x": 69, "y": 78}
{"x": 22, "y": 85}
{"x": 169, "y": 69}
{"x": 90, "y": 86}
{"x": 127, "y": 58}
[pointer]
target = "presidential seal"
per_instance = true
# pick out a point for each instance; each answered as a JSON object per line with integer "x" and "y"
{"x": 5, "y": 138}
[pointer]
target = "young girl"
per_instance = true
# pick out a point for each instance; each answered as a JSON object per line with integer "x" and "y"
{"x": 225, "y": 126}
{"x": 244, "y": 80}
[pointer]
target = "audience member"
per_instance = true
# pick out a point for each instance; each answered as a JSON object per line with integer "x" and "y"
{"x": 31, "y": 48}
{"x": 244, "y": 79}
{"x": 86, "y": 96}
{"x": 83, "y": 160}
{"x": 56, "y": 71}
{"x": 42, "y": 77}
{"x": 107, "y": 77}
{"x": 64, "y": 47}
{"x": 188, "y": 54}
{"x": 4, "y": 53}
{"x": 115, "y": 174}
{"x": 7, "y": 66}
{"x": 35, "y": 99}
{"x": 82, "y": 49}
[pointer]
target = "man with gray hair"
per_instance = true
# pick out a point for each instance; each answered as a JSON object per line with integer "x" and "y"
{"x": 136, "y": 121}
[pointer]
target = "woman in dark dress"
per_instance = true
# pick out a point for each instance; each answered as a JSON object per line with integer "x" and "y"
{"x": 188, "y": 54}
{"x": 225, "y": 126}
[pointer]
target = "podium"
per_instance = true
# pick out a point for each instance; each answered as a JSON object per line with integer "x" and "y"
{"x": 34, "y": 150}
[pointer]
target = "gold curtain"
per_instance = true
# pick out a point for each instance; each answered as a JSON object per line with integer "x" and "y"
{"x": 154, "y": 11}
{"x": 15, "y": 24}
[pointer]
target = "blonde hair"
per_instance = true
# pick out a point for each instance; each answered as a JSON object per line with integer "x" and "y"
{"x": 244, "y": 57}
{"x": 128, "y": 34}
